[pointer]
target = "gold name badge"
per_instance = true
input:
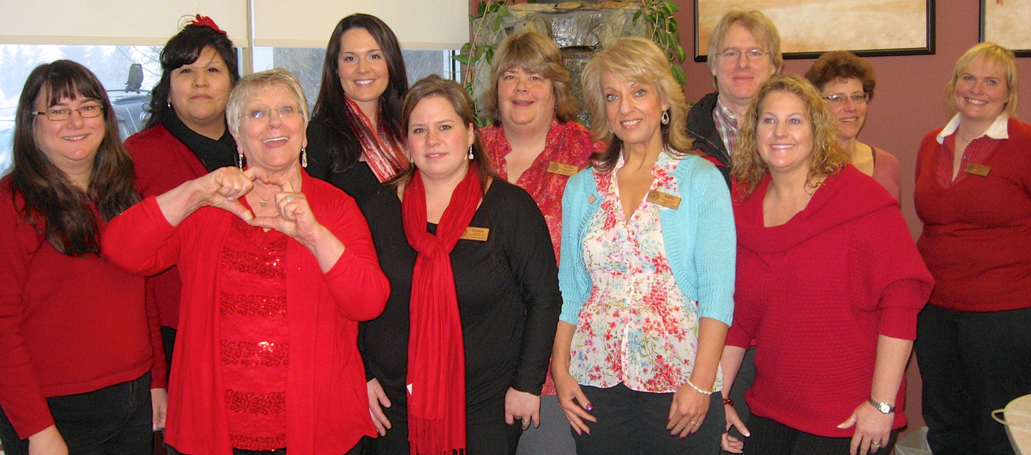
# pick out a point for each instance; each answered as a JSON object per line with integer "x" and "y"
{"x": 478, "y": 234}
{"x": 567, "y": 170}
{"x": 663, "y": 199}
{"x": 977, "y": 169}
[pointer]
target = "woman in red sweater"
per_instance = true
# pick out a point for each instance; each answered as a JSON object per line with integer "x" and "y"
{"x": 79, "y": 349}
{"x": 829, "y": 285}
{"x": 973, "y": 193}
{"x": 277, "y": 270}
{"x": 186, "y": 135}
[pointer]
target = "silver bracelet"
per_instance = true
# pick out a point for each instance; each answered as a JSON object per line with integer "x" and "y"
{"x": 703, "y": 392}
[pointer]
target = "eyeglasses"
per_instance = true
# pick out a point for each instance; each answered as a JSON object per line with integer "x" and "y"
{"x": 838, "y": 100}
{"x": 62, "y": 113}
{"x": 266, "y": 114}
{"x": 734, "y": 54}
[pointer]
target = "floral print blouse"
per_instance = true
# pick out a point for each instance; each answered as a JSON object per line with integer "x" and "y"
{"x": 637, "y": 327}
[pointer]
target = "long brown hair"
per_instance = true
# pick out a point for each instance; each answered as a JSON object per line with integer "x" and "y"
{"x": 57, "y": 209}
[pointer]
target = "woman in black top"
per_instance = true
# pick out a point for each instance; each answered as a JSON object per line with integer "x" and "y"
{"x": 354, "y": 138}
{"x": 504, "y": 275}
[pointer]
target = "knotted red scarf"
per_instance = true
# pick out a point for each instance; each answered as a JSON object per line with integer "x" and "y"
{"x": 436, "y": 355}
{"x": 383, "y": 152}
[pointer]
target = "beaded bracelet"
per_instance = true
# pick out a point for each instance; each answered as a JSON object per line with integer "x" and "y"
{"x": 703, "y": 392}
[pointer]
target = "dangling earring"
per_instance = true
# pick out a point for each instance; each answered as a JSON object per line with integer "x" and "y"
{"x": 239, "y": 161}
{"x": 470, "y": 151}
{"x": 304, "y": 158}
{"x": 665, "y": 117}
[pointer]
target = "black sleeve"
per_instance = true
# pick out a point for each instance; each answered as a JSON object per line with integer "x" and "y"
{"x": 318, "y": 151}
{"x": 532, "y": 261}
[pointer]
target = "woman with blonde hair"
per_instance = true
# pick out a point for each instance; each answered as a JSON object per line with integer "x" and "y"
{"x": 647, "y": 270}
{"x": 973, "y": 194}
{"x": 829, "y": 284}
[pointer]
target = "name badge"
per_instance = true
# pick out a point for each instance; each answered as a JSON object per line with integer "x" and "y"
{"x": 567, "y": 170}
{"x": 478, "y": 234}
{"x": 977, "y": 169}
{"x": 591, "y": 199}
{"x": 663, "y": 199}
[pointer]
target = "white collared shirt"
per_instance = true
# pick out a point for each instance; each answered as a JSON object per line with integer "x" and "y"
{"x": 998, "y": 129}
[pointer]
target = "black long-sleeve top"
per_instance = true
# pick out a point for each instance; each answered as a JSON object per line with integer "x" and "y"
{"x": 508, "y": 298}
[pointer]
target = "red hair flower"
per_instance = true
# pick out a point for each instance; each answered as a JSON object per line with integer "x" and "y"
{"x": 205, "y": 21}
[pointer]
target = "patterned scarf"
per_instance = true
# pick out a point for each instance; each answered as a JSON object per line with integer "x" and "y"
{"x": 436, "y": 353}
{"x": 383, "y": 152}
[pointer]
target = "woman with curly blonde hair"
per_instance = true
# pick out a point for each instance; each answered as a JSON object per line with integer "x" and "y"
{"x": 646, "y": 270}
{"x": 828, "y": 281}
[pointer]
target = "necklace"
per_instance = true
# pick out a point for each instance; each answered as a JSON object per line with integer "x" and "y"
{"x": 263, "y": 201}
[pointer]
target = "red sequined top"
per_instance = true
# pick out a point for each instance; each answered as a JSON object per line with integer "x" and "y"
{"x": 254, "y": 336}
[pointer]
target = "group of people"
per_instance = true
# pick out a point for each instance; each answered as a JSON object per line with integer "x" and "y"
{"x": 379, "y": 276}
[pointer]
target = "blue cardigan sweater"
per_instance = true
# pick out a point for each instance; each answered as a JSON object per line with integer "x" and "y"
{"x": 700, "y": 240}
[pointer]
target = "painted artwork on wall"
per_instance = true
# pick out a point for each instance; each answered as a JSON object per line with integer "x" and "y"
{"x": 1007, "y": 22}
{"x": 809, "y": 28}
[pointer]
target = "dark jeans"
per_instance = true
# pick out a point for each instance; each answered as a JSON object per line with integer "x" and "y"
{"x": 486, "y": 433}
{"x": 115, "y": 420}
{"x": 634, "y": 423}
{"x": 971, "y": 364}
{"x": 772, "y": 438}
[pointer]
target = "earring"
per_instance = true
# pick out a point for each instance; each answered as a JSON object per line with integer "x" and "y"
{"x": 665, "y": 117}
{"x": 239, "y": 161}
{"x": 470, "y": 151}
{"x": 304, "y": 158}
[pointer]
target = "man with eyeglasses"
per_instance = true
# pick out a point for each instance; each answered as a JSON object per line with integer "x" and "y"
{"x": 744, "y": 51}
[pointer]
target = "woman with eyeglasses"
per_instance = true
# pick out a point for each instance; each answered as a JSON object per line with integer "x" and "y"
{"x": 79, "y": 348}
{"x": 847, "y": 82}
{"x": 277, "y": 270}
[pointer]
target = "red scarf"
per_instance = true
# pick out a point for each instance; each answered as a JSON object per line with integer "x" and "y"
{"x": 381, "y": 151}
{"x": 436, "y": 352}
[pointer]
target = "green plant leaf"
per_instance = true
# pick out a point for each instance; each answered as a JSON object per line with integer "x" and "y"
{"x": 678, "y": 74}
{"x": 481, "y": 8}
{"x": 466, "y": 47}
{"x": 672, "y": 7}
{"x": 637, "y": 14}
{"x": 503, "y": 10}
{"x": 681, "y": 55}
{"x": 462, "y": 58}
{"x": 497, "y": 22}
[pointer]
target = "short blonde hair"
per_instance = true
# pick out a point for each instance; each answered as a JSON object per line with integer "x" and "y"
{"x": 990, "y": 53}
{"x": 251, "y": 84}
{"x": 828, "y": 156}
{"x": 761, "y": 28}
{"x": 639, "y": 60}
{"x": 535, "y": 53}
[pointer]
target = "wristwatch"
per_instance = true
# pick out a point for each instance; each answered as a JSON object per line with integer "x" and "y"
{"x": 883, "y": 408}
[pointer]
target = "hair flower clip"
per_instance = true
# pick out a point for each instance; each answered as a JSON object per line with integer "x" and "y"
{"x": 205, "y": 21}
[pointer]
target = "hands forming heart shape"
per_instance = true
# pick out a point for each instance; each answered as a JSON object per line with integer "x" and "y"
{"x": 224, "y": 187}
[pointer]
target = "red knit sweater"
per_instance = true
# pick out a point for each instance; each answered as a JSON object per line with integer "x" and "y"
{"x": 977, "y": 232}
{"x": 816, "y": 292}
{"x": 68, "y": 325}
{"x": 163, "y": 163}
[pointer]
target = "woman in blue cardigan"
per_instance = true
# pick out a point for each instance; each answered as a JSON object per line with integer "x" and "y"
{"x": 647, "y": 270}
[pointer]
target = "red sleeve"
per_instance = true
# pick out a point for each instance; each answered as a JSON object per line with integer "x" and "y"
{"x": 355, "y": 281}
{"x": 141, "y": 241}
{"x": 21, "y": 396}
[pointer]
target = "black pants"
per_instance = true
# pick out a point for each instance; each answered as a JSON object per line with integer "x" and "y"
{"x": 171, "y": 451}
{"x": 772, "y": 438}
{"x": 971, "y": 364}
{"x": 115, "y": 420}
{"x": 743, "y": 382}
{"x": 634, "y": 423}
{"x": 486, "y": 432}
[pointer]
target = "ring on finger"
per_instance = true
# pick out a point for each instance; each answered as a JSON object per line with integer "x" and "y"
{"x": 288, "y": 200}
{"x": 875, "y": 444}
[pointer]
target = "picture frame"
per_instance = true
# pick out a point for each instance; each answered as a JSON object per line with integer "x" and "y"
{"x": 1007, "y": 23}
{"x": 808, "y": 28}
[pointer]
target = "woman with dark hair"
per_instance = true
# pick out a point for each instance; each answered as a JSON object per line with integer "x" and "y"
{"x": 355, "y": 137}
{"x": 186, "y": 136}
{"x": 847, "y": 83}
{"x": 459, "y": 356}
{"x": 79, "y": 348}
{"x": 829, "y": 284}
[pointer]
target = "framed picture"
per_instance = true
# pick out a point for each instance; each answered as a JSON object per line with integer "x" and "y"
{"x": 1007, "y": 22}
{"x": 809, "y": 28}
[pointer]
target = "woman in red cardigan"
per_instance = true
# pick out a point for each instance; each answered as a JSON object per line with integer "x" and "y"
{"x": 829, "y": 285}
{"x": 973, "y": 193}
{"x": 79, "y": 349}
{"x": 277, "y": 269}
